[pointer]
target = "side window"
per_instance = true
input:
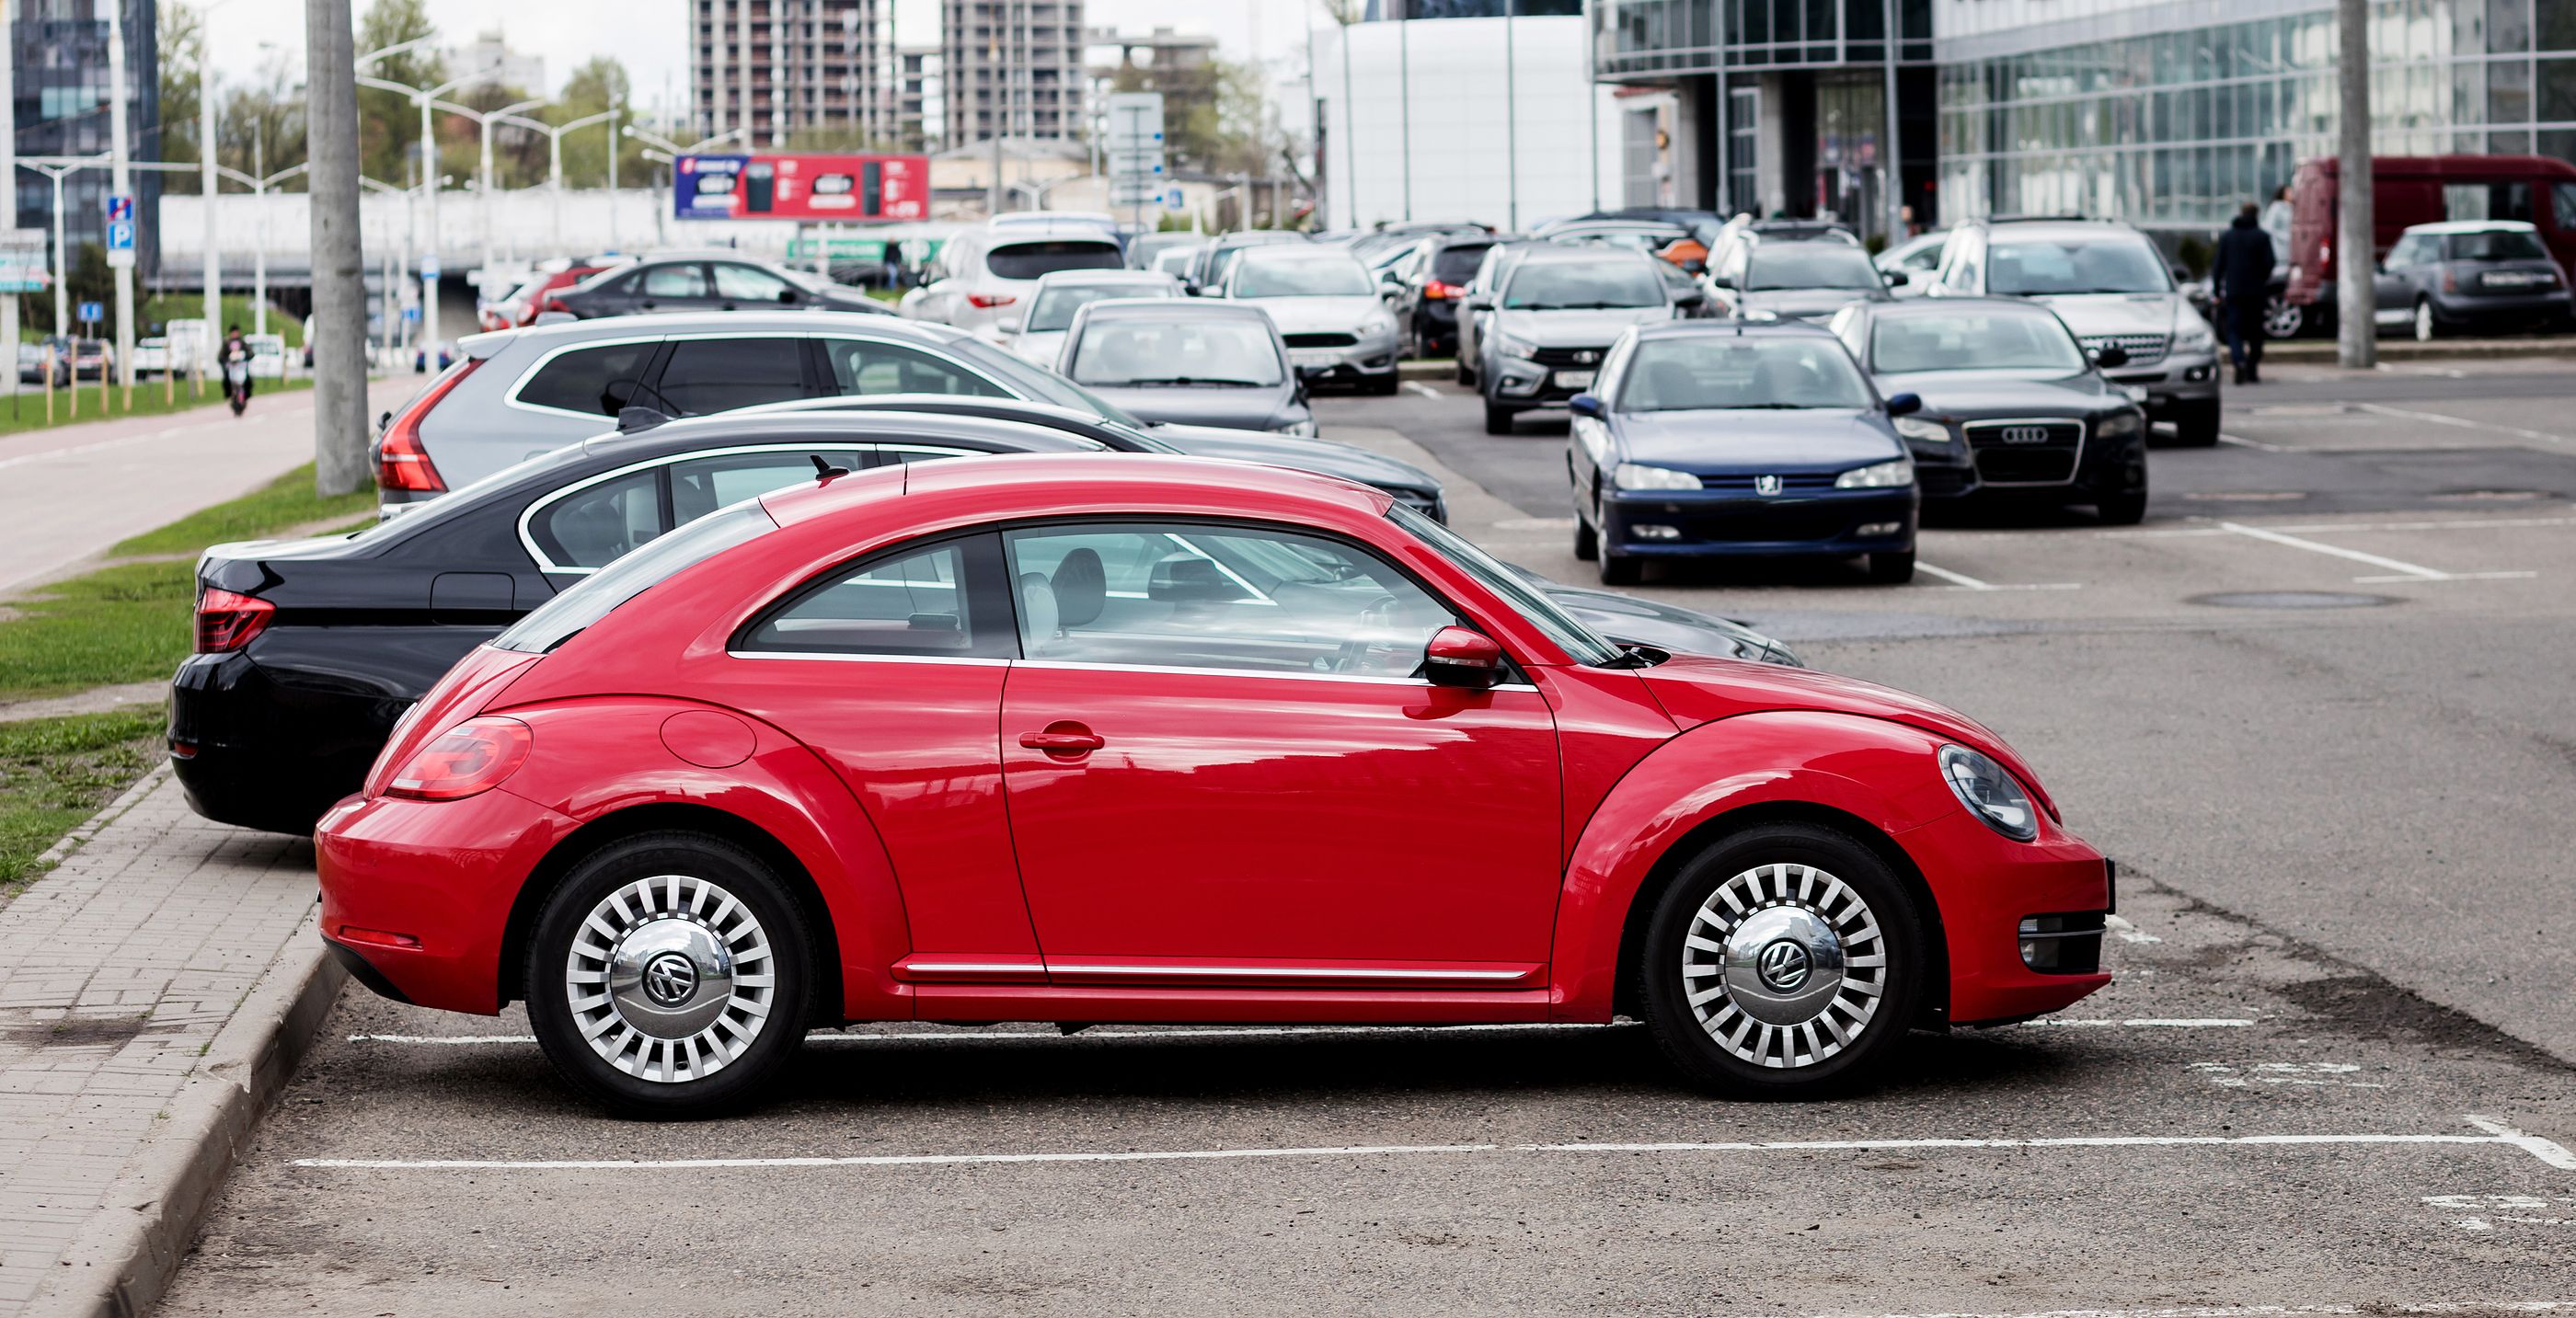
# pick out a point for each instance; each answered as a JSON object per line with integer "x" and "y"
{"x": 921, "y": 602}
{"x": 718, "y": 375}
{"x": 595, "y": 381}
{"x": 596, "y": 525}
{"x": 699, "y": 486}
{"x": 1184, "y": 596}
{"x": 2405, "y": 253}
{"x": 864, "y": 366}
{"x": 687, "y": 280}
{"x": 743, "y": 283}
{"x": 2562, "y": 206}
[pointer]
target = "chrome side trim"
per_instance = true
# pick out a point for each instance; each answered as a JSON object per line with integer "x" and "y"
{"x": 865, "y": 658}
{"x": 972, "y": 968}
{"x": 1282, "y": 972}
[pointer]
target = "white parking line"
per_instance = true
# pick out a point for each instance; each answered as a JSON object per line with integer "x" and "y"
{"x": 2464, "y": 423}
{"x": 2510, "y": 1138}
{"x": 2466, "y": 1307}
{"x": 1963, "y": 581}
{"x": 2127, "y": 932}
{"x": 1423, "y": 389}
{"x": 2404, "y": 571}
{"x": 2242, "y": 442}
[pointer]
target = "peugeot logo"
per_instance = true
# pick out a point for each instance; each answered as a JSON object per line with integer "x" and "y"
{"x": 670, "y": 979}
{"x": 2025, "y": 434}
{"x": 1766, "y": 485}
{"x": 1783, "y": 965}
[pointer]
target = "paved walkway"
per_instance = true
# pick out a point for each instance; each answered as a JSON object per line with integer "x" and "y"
{"x": 116, "y": 971}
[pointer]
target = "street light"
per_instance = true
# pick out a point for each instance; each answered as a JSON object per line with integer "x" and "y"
{"x": 259, "y": 261}
{"x": 55, "y": 170}
{"x": 483, "y": 121}
{"x": 554, "y": 163}
{"x": 656, "y": 139}
{"x": 424, "y": 97}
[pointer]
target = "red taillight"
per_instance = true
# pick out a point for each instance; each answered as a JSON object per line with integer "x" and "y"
{"x": 557, "y": 304}
{"x": 1440, "y": 292}
{"x": 226, "y": 621}
{"x": 401, "y": 462}
{"x": 474, "y": 756}
{"x": 986, "y": 301}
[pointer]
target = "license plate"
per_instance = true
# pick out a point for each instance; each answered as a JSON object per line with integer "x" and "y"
{"x": 2514, "y": 279}
{"x": 1574, "y": 379}
{"x": 1313, "y": 359}
{"x": 2136, "y": 393}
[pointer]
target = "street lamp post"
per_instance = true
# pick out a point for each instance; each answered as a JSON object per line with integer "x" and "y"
{"x": 259, "y": 258}
{"x": 483, "y": 120}
{"x": 425, "y": 98}
{"x": 554, "y": 161}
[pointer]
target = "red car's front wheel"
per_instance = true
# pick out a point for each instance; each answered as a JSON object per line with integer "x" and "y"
{"x": 1786, "y": 959}
{"x": 669, "y": 975}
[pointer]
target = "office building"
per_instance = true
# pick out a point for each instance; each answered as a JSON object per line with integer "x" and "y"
{"x": 58, "y": 54}
{"x": 919, "y": 115}
{"x": 777, "y": 68}
{"x": 509, "y": 68}
{"x": 1011, "y": 68}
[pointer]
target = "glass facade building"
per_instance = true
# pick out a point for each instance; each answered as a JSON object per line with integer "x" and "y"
{"x": 58, "y": 53}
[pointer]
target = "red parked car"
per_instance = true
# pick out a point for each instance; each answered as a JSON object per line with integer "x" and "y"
{"x": 1117, "y": 738}
{"x": 2410, "y": 190}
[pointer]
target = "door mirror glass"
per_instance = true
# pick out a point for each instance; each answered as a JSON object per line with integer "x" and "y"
{"x": 1898, "y": 279}
{"x": 1585, "y": 405}
{"x": 1480, "y": 303}
{"x": 1459, "y": 657}
{"x": 1905, "y": 404}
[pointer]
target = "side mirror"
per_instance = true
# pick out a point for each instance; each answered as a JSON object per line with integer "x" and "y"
{"x": 1390, "y": 292}
{"x": 1480, "y": 304}
{"x": 788, "y": 296}
{"x": 1459, "y": 657}
{"x": 1586, "y": 405}
{"x": 1010, "y": 323}
{"x": 1898, "y": 279}
{"x": 2113, "y": 356}
{"x": 1905, "y": 404}
{"x": 2180, "y": 274}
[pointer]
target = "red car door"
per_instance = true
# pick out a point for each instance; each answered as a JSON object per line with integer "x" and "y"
{"x": 1220, "y": 768}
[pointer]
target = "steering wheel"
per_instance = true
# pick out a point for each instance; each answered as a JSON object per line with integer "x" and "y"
{"x": 1380, "y": 614}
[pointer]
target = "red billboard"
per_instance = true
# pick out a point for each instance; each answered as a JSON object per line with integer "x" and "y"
{"x": 801, "y": 187}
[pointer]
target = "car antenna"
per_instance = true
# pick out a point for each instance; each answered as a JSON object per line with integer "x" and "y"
{"x": 637, "y": 420}
{"x": 824, "y": 471}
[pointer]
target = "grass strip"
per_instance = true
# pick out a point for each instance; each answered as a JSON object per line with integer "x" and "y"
{"x": 57, "y": 772}
{"x": 280, "y": 505}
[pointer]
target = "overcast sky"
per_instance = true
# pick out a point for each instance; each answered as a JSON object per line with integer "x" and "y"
{"x": 651, "y": 36}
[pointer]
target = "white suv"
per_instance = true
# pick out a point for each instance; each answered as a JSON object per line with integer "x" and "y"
{"x": 984, "y": 276}
{"x": 2111, "y": 286}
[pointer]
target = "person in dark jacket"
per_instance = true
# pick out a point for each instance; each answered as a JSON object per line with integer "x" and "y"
{"x": 2242, "y": 281}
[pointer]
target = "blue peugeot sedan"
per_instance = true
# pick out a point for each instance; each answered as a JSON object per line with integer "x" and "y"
{"x": 1704, "y": 439}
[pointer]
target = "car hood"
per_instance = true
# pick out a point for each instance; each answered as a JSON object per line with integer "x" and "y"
{"x": 1765, "y": 441}
{"x": 1696, "y": 690}
{"x": 1577, "y": 329}
{"x": 2000, "y": 393}
{"x": 1634, "y": 620}
{"x": 1803, "y": 302}
{"x": 1321, "y": 456}
{"x": 1230, "y": 407}
{"x": 2094, "y": 314}
{"x": 1300, "y": 315}
{"x": 1040, "y": 347}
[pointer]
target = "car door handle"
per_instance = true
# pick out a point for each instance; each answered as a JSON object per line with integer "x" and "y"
{"x": 1063, "y": 739}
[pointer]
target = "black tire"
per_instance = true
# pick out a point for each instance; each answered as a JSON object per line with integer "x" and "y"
{"x": 763, "y": 914}
{"x": 1587, "y": 542}
{"x": 1616, "y": 571}
{"x": 2196, "y": 424}
{"x": 1892, "y": 569}
{"x": 1756, "y": 864}
{"x": 1498, "y": 418}
{"x": 2122, "y": 509}
{"x": 1465, "y": 374}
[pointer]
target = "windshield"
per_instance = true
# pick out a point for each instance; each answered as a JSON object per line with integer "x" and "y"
{"x": 1037, "y": 383}
{"x": 1132, "y": 351}
{"x": 2494, "y": 245}
{"x": 2077, "y": 265}
{"x": 1582, "y": 286}
{"x": 1302, "y": 277}
{"x": 1055, "y": 306}
{"x": 1030, "y": 260}
{"x": 596, "y": 596}
{"x": 1711, "y": 372}
{"x": 1577, "y": 640}
{"x": 1782, "y": 266}
{"x": 1974, "y": 341}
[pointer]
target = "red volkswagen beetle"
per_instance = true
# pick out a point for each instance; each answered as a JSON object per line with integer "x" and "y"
{"x": 1078, "y": 738}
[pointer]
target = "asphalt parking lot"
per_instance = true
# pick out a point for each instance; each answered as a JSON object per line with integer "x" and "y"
{"x": 2317, "y": 706}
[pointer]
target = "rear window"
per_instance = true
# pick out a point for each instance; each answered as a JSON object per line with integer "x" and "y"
{"x": 591, "y": 381}
{"x": 1457, "y": 265}
{"x": 2495, "y": 245}
{"x": 566, "y": 615}
{"x": 1030, "y": 260}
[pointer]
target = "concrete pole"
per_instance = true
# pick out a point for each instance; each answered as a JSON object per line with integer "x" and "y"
{"x": 1511, "y": 121}
{"x": 62, "y": 262}
{"x": 8, "y": 174}
{"x": 1895, "y": 164}
{"x": 121, "y": 184}
{"x": 483, "y": 203}
{"x": 2356, "y": 240}
{"x": 339, "y": 256}
{"x": 259, "y": 251}
{"x": 208, "y": 190}
{"x": 429, "y": 252}
{"x": 1404, "y": 97}
{"x": 554, "y": 179}
{"x": 613, "y": 141}
{"x": 1592, "y": 98}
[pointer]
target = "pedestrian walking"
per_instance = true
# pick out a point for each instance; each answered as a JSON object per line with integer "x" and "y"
{"x": 2242, "y": 283}
{"x": 234, "y": 358}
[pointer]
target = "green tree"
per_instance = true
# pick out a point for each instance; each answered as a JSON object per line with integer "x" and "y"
{"x": 90, "y": 279}
{"x": 518, "y": 155}
{"x": 183, "y": 62}
{"x": 594, "y": 87}
{"x": 261, "y": 127}
{"x": 388, "y": 122}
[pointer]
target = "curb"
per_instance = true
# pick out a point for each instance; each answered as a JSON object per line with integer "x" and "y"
{"x": 125, "y": 1255}
{"x": 2323, "y": 350}
{"x": 71, "y": 841}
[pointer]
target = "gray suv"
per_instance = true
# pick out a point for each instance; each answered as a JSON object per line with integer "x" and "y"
{"x": 2111, "y": 286}
{"x": 1549, "y": 321}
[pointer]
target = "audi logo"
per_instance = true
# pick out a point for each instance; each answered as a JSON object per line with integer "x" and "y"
{"x": 2025, "y": 434}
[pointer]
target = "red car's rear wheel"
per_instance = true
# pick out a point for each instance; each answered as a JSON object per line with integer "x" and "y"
{"x": 669, "y": 975}
{"x": 1786, "y": 959}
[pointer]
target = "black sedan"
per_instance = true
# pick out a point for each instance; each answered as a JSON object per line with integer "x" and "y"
{"x": 2012, "y": 407}
{"x": 1435, "y": 281}
{"x": 702, "y": 284}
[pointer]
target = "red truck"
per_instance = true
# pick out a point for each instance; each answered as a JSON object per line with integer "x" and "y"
{"x": 2409, "y": 190}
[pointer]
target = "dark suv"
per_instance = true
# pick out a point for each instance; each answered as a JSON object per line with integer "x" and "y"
{"x": 1435, "y": 279}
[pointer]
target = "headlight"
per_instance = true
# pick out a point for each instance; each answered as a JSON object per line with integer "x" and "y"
{"x": 1301, "y": 429}
{"x": 1635, "y": 476}
{"x": 1379, "y": 322}
{"x": 1512, "y": 347}
{"x": 2119, "y": 424}
{"x": 1930, "y": 432}
{"x": 1877, "y": 476}
{"x": 2195, "y": 336}
{"x": 1990, "y": 793}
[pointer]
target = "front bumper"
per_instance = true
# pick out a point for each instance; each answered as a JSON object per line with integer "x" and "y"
{"x": 1710, "y": 524}
{"x": 1985, "y": 885}
{"x": 1539, "y": 384}
{"x": 2184, "y": 379}
{"x": 421, "y": 891}
{"x": 2489, "y": 311}
{"x": 1949, "y": 474}
{"x": 1371, "y": 358}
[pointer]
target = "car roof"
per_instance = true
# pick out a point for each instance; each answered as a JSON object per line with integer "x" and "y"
{"x": 2474, "y": 226}
{"x": 1162, "y": 307}
{"x": 1259, "y": 237}
{"x": 2060, "y": 228}
{"x": 1015, "y": 235}
{"x": 1556, "y": 253}
{"x": 1037, "y": 484}
{"x": 1151, "y": 278}
{"x": 852, "y": 425}
{"x": 1052, "y": 415}
{"x": 1751, "y": 329}
{"x": 699, "y": 322}
{"x": 1932, "y": 306}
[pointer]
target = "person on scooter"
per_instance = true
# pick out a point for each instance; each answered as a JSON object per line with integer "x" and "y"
{"x": 234, "y": 358}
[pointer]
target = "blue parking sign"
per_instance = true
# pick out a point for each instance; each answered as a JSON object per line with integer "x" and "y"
{"x": 92, "y": 311}
{"x": 120, "y": 235}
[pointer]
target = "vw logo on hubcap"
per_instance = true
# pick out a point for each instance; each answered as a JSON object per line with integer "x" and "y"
{"x": 670, "y": 978}
{"x": 1784, "y": 966}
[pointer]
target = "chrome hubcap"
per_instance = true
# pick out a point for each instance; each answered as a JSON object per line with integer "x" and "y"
{"x": 1784, "y": 965}
{"x": 670, "y": 978}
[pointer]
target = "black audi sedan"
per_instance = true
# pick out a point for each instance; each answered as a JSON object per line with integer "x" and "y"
{"x": 2013, "y": 409}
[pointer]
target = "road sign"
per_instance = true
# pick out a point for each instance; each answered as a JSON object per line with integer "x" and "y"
{"x": 429, "y": 266}
{"x": 1173, "y": 200}
{"x": 1136, "y": 168}
{"x": 22, "y": 260}
{"x": 120, "y": 240}
{"x": 91, "y": 311}
{"x": 120, "y": 208}
{"x": 1135, "y": 192}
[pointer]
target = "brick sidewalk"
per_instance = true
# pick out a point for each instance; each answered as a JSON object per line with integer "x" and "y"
{"x": 116, "y": 971}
